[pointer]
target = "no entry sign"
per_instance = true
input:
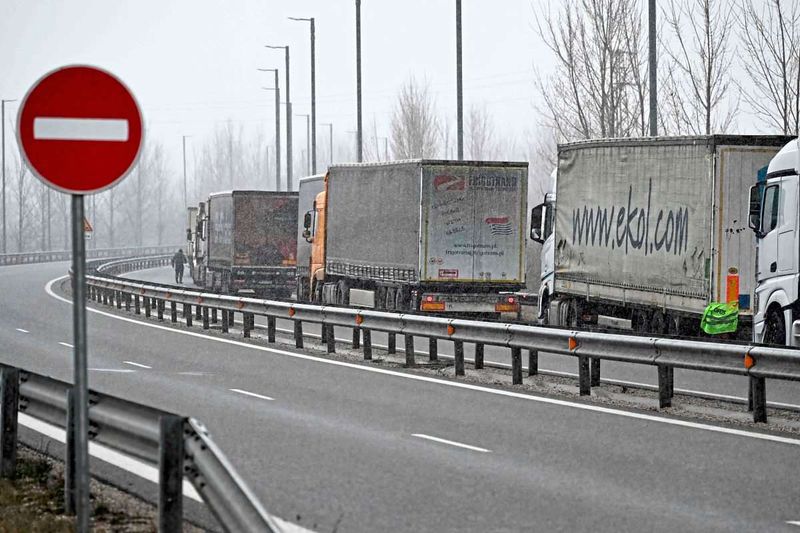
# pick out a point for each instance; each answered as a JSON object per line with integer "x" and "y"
{"x": 80, "y": 129}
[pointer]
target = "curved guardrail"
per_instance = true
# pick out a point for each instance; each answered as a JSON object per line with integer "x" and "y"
{"x": 589, "y": 348}
{"x": 96, "y": 253}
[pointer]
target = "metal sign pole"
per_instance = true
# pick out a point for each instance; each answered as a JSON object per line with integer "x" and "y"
{"x": 80, "y": 380}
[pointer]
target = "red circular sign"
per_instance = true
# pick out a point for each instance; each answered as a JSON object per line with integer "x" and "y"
{"x": 80, "y": 129}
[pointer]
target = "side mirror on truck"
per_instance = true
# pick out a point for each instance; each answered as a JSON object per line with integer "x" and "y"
{"x": 307, "y": 226}
{"x": 537, "y": 215}
{"x": 188, "y": 234}
{"x": 754, "y": 218}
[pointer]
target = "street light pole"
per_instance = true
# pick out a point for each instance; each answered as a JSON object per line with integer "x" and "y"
{"x": 652, "y": 68}
{"x": 313, "y": 96}
{"x": 330, "y": 138}
{"x": 3, "y": 142}
{"x": 459, "y": 87}
{"x": 185, "y": 197}
{"x": 308, "y": 142}
{"x": 288, "y": 121}
{"x": 277, "y": 90}
{"x": 360, "y": 154}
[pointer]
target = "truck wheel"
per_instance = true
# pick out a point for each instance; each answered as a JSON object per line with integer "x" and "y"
{"x": 776, "y": 328}
{"x": 343, "y": 293}
{"x": 573, "y": 314}
{"x": 658, "y": 324}
{"x": 317, "y": 298}
{"x": 401, "y": 300}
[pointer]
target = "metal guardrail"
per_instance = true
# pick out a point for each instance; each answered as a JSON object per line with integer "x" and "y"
{"x": 589, "y": 348}
{"x": 177, "y": 445}
{"x": 65, "y": 255}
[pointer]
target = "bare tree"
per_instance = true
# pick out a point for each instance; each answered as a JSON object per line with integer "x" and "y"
{"x": 771, "y": 40}
{"x": 22, "y": 187}
{"x": 414, "y": 127}
{"x": 700, "y": 73}
{"x": 480, "y": 142}
{"x": 599, "y": 86}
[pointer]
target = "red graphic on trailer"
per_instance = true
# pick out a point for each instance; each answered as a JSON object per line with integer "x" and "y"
{"x": 500, "y": 225}
{"x": 444, "y": 182}
{"x": 80, "y": 129}
{"x": 448, "y": 272}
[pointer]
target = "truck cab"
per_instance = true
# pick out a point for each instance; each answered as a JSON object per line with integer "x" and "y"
{"x": 774, "y": 216}
{"x": 542, "y": 223}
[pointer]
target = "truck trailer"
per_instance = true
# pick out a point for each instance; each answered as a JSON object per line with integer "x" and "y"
{"x": 775, "y": 218}
{"x": 421, "y": 235}
{"x": 644, "y": 234}
{"x": 248, "y": 243}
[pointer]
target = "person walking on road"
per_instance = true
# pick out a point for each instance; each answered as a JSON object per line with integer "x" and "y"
{"x": 178, "y": 260}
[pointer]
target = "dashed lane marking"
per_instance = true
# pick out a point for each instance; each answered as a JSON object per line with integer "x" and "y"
{"x": 68, "y": 345}
{"x": 454, "y": 384}
{"x": 451, "y": 443}
{"x": 137, "y": 364}
{"x": 22, "y": 330}
{"x": 117, "y": 370}
{"x": 253, "y": 394}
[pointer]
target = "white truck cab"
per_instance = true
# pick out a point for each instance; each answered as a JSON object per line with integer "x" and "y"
{"x": 775, "y": 219}
{"x": 542, "y": 222}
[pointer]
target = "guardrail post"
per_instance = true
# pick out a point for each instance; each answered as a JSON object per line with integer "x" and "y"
{"x": 205, "y": 318}
{"x": 516, "y": 366}
{"x": 458, "y": 352}
{"x": 105, "y": 296}
{"x": 231, "y": 319}
{"x": 323, "y": 334}
{"x": 69, "y": 456}
{"x": 356, "y": 339}
{"x": 759, "y": 388}
{"x": 298, "y": 334}
{"x": 367, "y": 344}
{"x": 118, "y": 299}
{"x": 127, "y": 302}
{"x": 214, "y": 316}
{"x": 584, "y": 377}
{"x": 246, "y": 324}
{"x": 595, "y": 371}
{"x": 533, "y": 362}
{"x": 478, "y": 356}
{"x": 664, "y": 398}
{"x": 173, "y": 311}
{"x": 187, "y": 312}
{"x": 671, "y": 381}
{"x": 136, "y": 305}
{"x": 270, "y": 329}
{"x": 170, "y": 474}
{"x": 224, "y": 321}
{"x": 409, "y": 347}
{"x": 331, "y": 334}
{"x": 433, "y": 349}
{"x": 198, "y": 312}
{"x": 391, "y": 344}
{"x": 148, "y": 308}
{"x": 9, "y": 396}
{"x": 160, "y": 309}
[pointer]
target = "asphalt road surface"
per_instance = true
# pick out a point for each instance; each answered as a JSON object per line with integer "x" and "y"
{"x": 335, "y": 446}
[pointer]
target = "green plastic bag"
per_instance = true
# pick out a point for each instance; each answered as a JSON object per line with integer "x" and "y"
{"x": 720, "y": 318}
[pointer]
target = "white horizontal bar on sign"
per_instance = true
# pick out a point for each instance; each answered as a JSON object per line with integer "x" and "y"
{"x": 80, "y": 129}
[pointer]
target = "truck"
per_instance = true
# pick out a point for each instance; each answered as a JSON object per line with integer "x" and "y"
{"x": 645, "y": 233}
{"x": 246, "y": 243}
{"x": 773, "y": 216}
{"x": 422, "y": 235}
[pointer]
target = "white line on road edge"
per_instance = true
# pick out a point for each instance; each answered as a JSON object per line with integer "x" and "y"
{"x": 451, "y": 443}
{"x": 23, "y": 330}
{"x": 136, "y": 364}
{"x": 253, "y": 394}
{"x": 454, "y": 384}
{"x": 794, "y": 523}
{"x": 80, "y": 129}
{"x": 118, "y": 370}
{"x": 68, "y": 345}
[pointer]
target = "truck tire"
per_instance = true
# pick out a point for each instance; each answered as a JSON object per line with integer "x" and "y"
{"x": 658, "y": 324}
{"x": 317, "y": 296}
{"x": 343, "y": 293}
{"x": 775, "y": 332}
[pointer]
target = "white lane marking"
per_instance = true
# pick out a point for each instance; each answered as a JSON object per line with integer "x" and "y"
{"x": 22, "y": 330}
{"x": 129, "y": 464}
{"x": 794, "y": 523}
{"x": 80, "y": 129}
{"x": 68, "y": 345}
{"x": 195, "y": 374}
{"x": 451, "y": 443}
{"x": 253, "y": 394}
{"x": 454, "y": 384}
{"x": 136, "y": 364}
{"x": 118, "y": 370}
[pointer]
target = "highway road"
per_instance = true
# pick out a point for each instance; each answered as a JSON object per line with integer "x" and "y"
{"x": 337, "y": 446}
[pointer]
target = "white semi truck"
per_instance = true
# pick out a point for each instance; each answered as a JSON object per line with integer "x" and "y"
{"x": 645, "y": 231}
{"x": 775, "y": 218}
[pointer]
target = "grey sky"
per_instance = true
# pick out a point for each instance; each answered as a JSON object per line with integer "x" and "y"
{"x": 192, "y": 64}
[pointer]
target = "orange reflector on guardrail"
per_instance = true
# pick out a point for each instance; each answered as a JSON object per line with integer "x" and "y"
{"x": 572, "y": 343}
{"x": 291, "y": 311}
{"x": 359, "y": 319}
{"x": 168, "y": 296}
{"x": 239, "y": 304}
{"x": 450, "y": 329}
{"x": 200, "y": 300}
{"x": 749, "y": 361}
